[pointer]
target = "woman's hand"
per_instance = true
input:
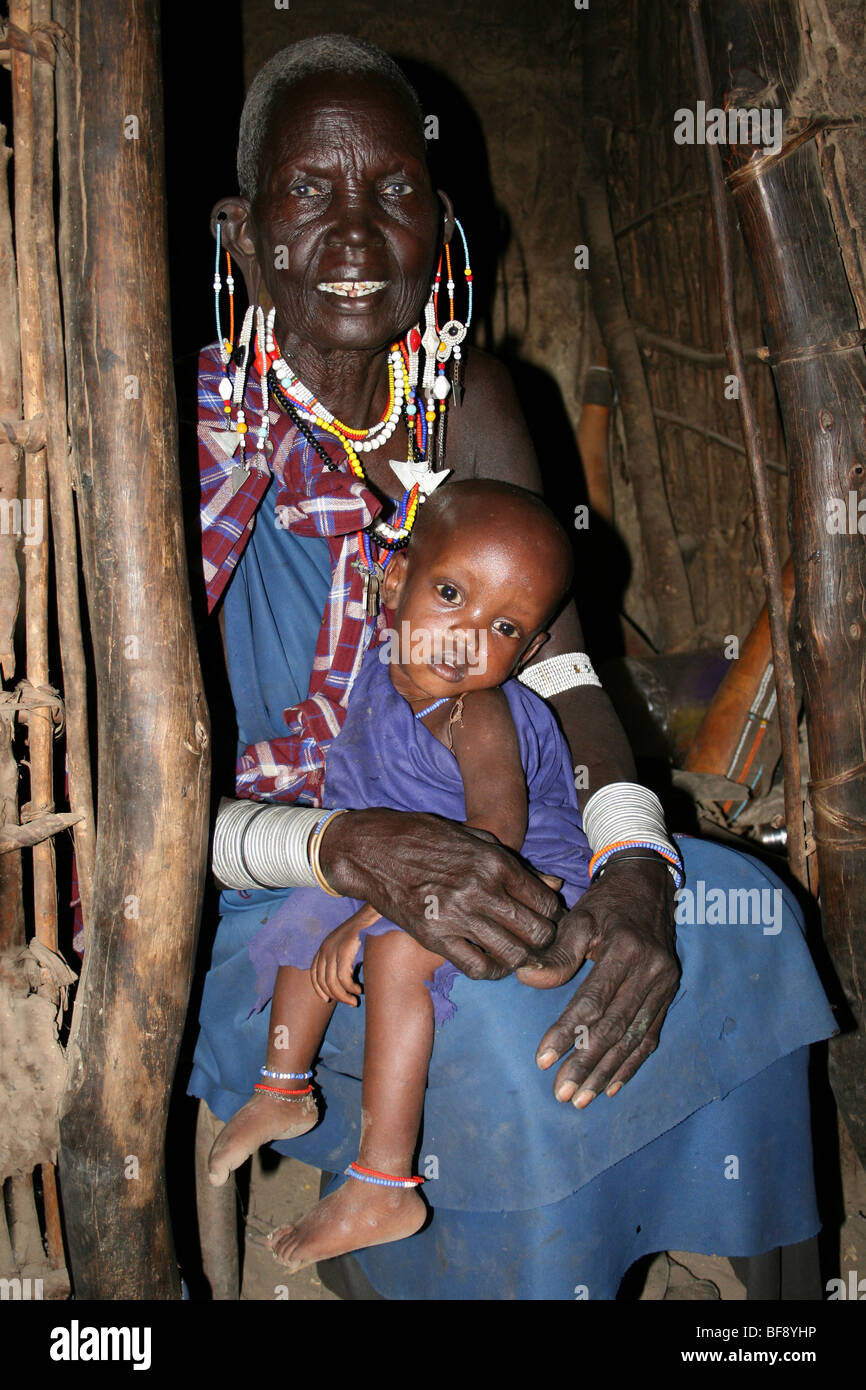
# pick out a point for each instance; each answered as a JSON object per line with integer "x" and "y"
{"x": 457, "y": 891}
{"x": 613, "y": 1022}
{"x": 333, "y": 969}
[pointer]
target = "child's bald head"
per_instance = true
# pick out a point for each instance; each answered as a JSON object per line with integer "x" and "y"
{"x": 498, "y": 518}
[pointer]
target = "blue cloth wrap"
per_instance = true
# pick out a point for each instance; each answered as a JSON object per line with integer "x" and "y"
{"x": 384, "y": 756}
{"x": 707, "y": 1148}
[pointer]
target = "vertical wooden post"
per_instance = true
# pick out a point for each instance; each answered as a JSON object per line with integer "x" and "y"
{"x": 152, "y": 720}
{"x": 819, "y": 366}
{"x": 40, "y": 729}
{"x": 11, "y": 904}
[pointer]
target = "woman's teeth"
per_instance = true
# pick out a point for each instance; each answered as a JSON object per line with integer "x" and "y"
{"x": 352, "y": 289}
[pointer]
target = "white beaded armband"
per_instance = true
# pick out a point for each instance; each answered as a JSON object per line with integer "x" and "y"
{"x": 559, "y": 673}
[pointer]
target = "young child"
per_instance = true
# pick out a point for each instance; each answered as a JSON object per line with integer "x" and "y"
{"x": 438, "y": 727}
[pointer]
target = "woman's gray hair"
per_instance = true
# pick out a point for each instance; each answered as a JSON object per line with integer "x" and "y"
{"x": 334, "y": 53}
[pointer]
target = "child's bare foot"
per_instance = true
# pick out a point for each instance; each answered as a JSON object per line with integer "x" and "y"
{"x": 261, "y": 1120}
{"x": 360, "y": 1214}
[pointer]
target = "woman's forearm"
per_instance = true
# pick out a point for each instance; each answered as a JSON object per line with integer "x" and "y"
{"x": 599, "y": 748}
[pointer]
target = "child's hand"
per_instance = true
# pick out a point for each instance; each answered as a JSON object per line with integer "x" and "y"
{"x": 333, "y": 969}
{"x": 526, "y": 974}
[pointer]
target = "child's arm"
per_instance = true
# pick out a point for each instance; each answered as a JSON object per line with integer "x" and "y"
{"x": 333, "y": 969}
{"x": 484, "y": 742}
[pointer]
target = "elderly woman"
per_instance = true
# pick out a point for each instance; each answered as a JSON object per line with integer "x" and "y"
{"x": 338, "y": 233}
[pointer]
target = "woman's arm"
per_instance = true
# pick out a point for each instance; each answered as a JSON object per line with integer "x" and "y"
{"x": 457, "y": 891}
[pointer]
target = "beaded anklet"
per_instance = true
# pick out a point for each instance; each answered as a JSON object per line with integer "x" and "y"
{"x": 370, "y": 1175}
{"x": 279, "y": 1093}
{"x": 286, "y": 1075}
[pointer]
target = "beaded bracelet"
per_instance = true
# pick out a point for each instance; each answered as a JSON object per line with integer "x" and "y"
{"x": 668, "y": 854}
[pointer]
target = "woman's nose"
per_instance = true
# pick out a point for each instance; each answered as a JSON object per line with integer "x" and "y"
{"x": 355, "y": 222}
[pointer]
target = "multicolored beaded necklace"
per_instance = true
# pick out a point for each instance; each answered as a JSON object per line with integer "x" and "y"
{"x": 425, "y": 427}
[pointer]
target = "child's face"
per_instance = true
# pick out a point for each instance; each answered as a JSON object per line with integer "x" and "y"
{"x": 467, "y": 611}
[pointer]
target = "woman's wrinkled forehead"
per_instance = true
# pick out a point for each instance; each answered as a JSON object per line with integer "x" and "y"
{"x": 327, "y": 112}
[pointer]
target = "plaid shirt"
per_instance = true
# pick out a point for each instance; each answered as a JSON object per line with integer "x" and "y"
{"x": 311, "y": 501}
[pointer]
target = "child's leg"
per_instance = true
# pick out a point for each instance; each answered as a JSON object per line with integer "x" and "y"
{"x": 397, "y": 1046}
{"x": 297, "y": 1025}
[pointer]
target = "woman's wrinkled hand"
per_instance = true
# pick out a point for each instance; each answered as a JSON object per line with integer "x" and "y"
{"x": 624, "y": 923}
{"x": 457, "y": 891}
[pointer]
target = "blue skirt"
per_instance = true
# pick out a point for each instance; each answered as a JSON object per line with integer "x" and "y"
{"x": 707, "y": 1148}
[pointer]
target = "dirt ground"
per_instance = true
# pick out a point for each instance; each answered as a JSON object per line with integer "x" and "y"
{"x": 284, "y": 1191}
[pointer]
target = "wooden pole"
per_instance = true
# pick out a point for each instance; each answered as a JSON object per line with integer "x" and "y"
{"x": 11, "y": 901}
{"x": 32, "y": 83}
{"x": 783, "y": 671}
{"x": 66, "y": 568}
{"x": 819, "y": 367}
{"x": 666, "y": 570}
{"x": 40, "y": 728}
{"x": 152, "y": 722}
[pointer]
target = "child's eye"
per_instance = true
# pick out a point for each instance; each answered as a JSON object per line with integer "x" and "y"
{"x": 503, "y": 626}
{"x": 449, "y": 592}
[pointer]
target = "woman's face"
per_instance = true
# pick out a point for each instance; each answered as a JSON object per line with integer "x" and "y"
{"x": 346, "y": 221}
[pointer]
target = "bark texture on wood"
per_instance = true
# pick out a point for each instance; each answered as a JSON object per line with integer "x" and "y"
{"x": 809, "y": 314}
{"x": 11, "y": 903}
{"x": 27, "y": 83}
{"x": 152, "y": 719}
{"x": 66, "y": 569}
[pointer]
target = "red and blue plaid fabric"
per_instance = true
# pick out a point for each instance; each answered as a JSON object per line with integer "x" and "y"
{"x": 312, "y": 501}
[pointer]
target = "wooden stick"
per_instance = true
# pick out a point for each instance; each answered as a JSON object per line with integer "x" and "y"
{"x": 676, "y": 201}
{"x": 782, "y": 665}
{"x": 40, "y": 729}
{"x": 684, "y": 424}
{"x": 700, "y": 356}
{"x": 18, "y": 837}
{"x": 12, "y": 931}
{"x": 154, "y": 760}
{"x": 665, "y": 567}
{"x": 80, "y": 791}
{"x": 32, "y": 83}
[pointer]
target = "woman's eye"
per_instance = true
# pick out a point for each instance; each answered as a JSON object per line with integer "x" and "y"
{"x": 397, "y": 188}
{"x": 305, "y": 190}
{"x": 448, "y": 592}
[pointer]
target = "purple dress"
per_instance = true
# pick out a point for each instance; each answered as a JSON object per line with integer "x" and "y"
{"x": 385, "y": 757}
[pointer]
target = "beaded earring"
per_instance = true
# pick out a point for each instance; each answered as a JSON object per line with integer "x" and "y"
{"x": 441, "y": 345}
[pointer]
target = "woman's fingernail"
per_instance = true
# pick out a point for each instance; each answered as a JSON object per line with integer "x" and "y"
{"x": 565, "y": 1092}
{"x": 583, "y": 1099}
{"x": 546, "y": 1058}
{"x": 612, "y": 1090}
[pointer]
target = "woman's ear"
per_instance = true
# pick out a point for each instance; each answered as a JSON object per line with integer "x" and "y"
{"x": 395, "y": 579}
{"x": 448, "y": 224}
{"x": 233, "y": 215}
